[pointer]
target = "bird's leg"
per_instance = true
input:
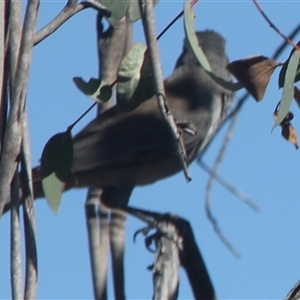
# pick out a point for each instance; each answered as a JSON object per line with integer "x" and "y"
{"x": 113, "y": 44}
{"x": 117, "y": 197}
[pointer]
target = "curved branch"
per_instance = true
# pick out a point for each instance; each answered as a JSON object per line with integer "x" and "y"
{"x": 13, "y": 134}
{"x": 70, "y": 9}
{"x": 272, "y": 25}
{"x": 211, "y": 179}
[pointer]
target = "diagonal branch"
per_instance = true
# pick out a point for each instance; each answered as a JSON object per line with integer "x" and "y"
{"x": 174, "y": 239}
{"x": 146, "y": 7}
{"x": 272, "y": 25}
{"x": 70, "y": 9}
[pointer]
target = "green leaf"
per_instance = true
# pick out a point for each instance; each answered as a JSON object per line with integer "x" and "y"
{"x": 134, "y": 13}
{"x": 193, "y": 41}
{"x": 288, "y": 88}
{"x": 56, "y": 163}
{"x": 117, "y": 8}
{"x": 282, "y": 72}
{"x": 134, "y": 79}
{"x": 53, "y": 189}
{"x": 98, "y": 90}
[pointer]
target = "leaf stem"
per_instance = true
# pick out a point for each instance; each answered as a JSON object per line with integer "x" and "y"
{"x": 174, "y": 20}
{"x": 83, "y": 115}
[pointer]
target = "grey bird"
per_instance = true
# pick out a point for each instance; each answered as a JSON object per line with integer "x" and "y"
{"x": 118, "y": 151}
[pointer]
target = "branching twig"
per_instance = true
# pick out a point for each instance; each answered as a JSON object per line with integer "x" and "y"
{"x": 149, "y": 29}
{"x": 233, "y": 114}
{"x": 288, "y": 40}
{"x": 70, "y": 9}
{"x": 231, "y": 188}
{"x": 209, "y": 214}
{"x": 174, "y": 236}
{"x": 246, "y": 95}
{"x": 283, "y": 45}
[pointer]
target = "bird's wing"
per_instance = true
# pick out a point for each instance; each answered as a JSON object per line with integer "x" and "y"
{"x": 116, "y": 139}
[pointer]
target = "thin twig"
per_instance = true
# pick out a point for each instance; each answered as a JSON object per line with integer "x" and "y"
{"x": 283, "y": 45}
{"x": 235, "y": 111}
{"x": 288, "y": 40}
{"x": 208, "y": 210}
{"x": 70, "y": 9}
{"x": 29, "y": 217}
{"x": 150, "y": 34}
{"x": 14, "y": 29}
{"x": 231, "y": 188}
{"x": 3, "y": 63}
{"x": 170, "y": 25}
{"x": 174, "y": 21}
{"x": 82, "y": 116}
{"x": 15, "y": 243}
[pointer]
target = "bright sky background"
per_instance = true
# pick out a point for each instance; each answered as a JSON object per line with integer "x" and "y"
{"x": 259, "y": 162}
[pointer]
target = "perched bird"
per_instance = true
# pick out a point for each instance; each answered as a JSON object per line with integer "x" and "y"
{"x": 118, "y": 151}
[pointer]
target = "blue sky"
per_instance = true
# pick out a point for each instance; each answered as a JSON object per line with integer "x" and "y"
{"x": 258, "y": 161}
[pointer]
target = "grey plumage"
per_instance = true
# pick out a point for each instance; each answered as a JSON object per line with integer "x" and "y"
{"x": 138, "y": 148}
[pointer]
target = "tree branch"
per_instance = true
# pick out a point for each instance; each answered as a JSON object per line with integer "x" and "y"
{"x": 146, "y": 6}
{"x": 235, "y": 191}
{"x": 208, "y": 210}
{"x": 13, "y": 134}
{"x": 272, "y": 25}
{"x": 174, "y": 240}
{"x": 15, "y": 243}
{"x": 70, "y": 9}
{"x": 29, "y": 217}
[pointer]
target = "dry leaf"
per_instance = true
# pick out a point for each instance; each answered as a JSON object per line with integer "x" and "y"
{"x": 297, "y": 95}
{"x": 289, "y": 133}
{"x": 254, "y": 73}
{"x": 287, "y": 129}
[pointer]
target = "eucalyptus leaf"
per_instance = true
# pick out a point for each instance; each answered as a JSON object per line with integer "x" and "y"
{"x": 56, "y": 164}
{"x": 134, "y": 78}
{"x": 117, "y": 8}
{"x": 254, "y": 73}
{"x": 284, "y": 68}
{"x": 288, "y": 88}
{"x": 193, "y": 41}
{"x": 96, "y": 89}
{"x": 53, "y": 189}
